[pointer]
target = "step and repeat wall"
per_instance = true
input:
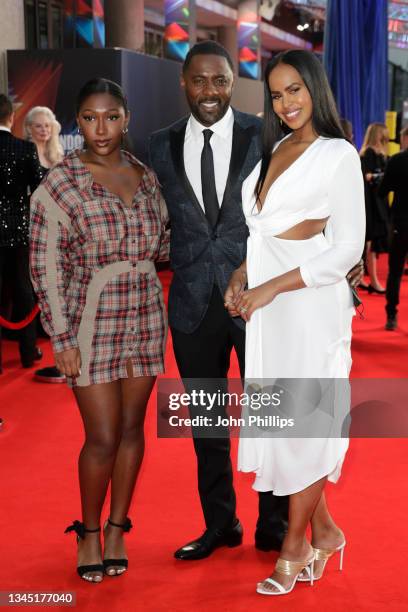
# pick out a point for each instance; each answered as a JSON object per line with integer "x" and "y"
{"x": 53, "y": 78}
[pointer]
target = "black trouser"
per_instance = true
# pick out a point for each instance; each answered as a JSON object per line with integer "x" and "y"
{"x": 396, "y": 263}
{"x": 14, "y": 270}
{"x": 205, "y": 354}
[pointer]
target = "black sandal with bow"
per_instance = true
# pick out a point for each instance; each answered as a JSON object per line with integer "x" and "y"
{"x": 81, "y": 530}
{"x": 121, "y": 564}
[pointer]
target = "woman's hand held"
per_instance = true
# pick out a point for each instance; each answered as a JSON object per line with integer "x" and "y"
{"x": 251, "y": 300}
{"x": 69, "y": 362}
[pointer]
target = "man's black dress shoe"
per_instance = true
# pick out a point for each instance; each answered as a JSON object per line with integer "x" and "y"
{"x": 391, "y": 323}
{"x": 50, "y": 374}
{"x": 372, "y": 289}
{"x": 209, "y": 541}
{"x": 266, "y": 542}
{"x": 29, "y": 362}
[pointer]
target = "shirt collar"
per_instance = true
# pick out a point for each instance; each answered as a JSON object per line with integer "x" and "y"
{"x": 3, "y": 128}
{"x": 84, "y": 178}
{"x": 222, "y": 128}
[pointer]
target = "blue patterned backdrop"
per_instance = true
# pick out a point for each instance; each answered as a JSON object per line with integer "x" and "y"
{"x": 355, "y": 58}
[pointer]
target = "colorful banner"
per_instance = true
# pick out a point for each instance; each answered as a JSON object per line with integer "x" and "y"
{"x": 33, "y": 82}
{"x": 69, "y": 24}
{"x": 53, "y": 78}
{"x": 84, "y": 23}
{"x": 398, "y": 23}
{"x": 249, "y": 39}
{"x": 176, "y": 34}
{"x": 99, "y": 23}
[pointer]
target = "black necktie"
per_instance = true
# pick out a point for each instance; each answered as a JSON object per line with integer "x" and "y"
{"x": 211, "y": 205}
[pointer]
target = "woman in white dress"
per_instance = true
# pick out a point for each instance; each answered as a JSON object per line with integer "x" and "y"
{"x": 304, "y": 206}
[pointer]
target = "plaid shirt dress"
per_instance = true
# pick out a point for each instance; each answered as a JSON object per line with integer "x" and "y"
{"x": 92, "y": 267}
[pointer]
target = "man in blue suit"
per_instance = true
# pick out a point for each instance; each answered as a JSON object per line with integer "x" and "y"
{"x": 201, "y": 162}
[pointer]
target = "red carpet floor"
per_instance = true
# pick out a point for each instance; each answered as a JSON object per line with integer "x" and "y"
{"x": 39, "y": 445}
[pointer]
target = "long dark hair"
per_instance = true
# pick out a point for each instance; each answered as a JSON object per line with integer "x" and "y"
{"x": 325, "y": 119}
{"x": 100, "y": 86}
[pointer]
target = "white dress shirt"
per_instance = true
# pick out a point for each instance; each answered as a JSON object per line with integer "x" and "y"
{"x": 221, "y": 144}
{"x": 3, "y": 128}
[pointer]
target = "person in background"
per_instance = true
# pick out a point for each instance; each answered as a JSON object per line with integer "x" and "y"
{"x": 42, "y": 128}
{"x": 19, "y": 174}
{"x": 404, "y": 138}
{"x": 373, "y": 155}
{"x": 347, "y": 129}
{"x": 395, "y": 179}
{"x": 404, "y": 145}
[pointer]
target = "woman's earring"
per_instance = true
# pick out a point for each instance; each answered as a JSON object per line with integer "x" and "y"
{"x": 80, "y": 131}
{"x": 281, "y": 122}
{"x": 125, "y": 131}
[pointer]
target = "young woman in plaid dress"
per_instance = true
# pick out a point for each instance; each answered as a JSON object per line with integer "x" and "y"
{"x": 98, "y": 224}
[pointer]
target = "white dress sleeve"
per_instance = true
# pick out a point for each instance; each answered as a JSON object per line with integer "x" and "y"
{"x": 345, "y": 229}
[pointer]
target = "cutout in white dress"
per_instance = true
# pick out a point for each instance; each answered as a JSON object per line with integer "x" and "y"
{"x": 304, "y": 334}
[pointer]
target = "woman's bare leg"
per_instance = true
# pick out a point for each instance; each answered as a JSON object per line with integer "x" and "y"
{"x": 295, "y": 546}
{"x": 135, "y": 396}
{"x": 100, "y": 408}
{"x": 325, "y": 533}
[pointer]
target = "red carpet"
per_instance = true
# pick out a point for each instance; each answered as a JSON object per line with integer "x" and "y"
{"x": 39, "y": 496}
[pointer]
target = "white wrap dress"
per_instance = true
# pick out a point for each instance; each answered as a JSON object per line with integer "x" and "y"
{"x": 306, "y": 333}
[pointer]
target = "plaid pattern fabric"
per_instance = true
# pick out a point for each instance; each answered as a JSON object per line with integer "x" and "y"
{"x": 91, "y": 267}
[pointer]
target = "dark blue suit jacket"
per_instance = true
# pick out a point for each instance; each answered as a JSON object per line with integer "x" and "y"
{"x": 200, "y": 256}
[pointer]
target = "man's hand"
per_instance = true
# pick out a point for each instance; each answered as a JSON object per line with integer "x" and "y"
{"x": 235, "y": 288}
{"x": 69, "y": 362}
{"x": 355, "y": 276}
{"x": 249, "y": 301}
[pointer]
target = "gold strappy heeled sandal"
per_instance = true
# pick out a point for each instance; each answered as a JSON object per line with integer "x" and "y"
{"x": 287, "y": 568}
{"x": 323, "y": 554}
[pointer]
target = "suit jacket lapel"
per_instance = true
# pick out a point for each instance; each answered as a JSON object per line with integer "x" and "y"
{"x": 241, "y": 140}
{"x": 177, "y": 154}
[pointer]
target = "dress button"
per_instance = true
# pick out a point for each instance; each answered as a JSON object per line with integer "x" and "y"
{"x": 130, "y": 216}
{"x": 134, "y": 265}
{"x": 133, "y": 241}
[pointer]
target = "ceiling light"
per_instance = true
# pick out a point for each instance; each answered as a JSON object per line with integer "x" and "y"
{"x": 300, "y": 28}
